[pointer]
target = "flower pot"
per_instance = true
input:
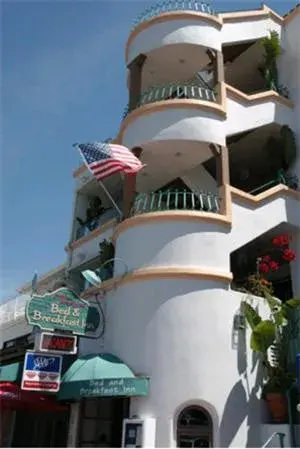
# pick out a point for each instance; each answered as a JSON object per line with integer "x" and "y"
{"x": 278, "y": 406}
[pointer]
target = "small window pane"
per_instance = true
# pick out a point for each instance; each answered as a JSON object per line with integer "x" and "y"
{"x": 90, "y": 408}
{"x": 193, "y": 417}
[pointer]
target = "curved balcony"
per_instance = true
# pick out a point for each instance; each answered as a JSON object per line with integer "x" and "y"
{"x": 173, "y": 6}
{"x": 171, "y": 228}
{"x": 174, "y": 91}
{"x": 175, "y": 200}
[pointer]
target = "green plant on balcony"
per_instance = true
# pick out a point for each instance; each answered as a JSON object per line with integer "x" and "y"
{"x": 272, "y": 51}
{"x": 270, "y": 337}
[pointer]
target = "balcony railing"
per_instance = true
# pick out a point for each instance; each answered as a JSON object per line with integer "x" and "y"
{"x": 175, "y": 200}
{"x": 173, "y": 5}
{"x": 173, "y": 91}
{"x": 87, "y": 228}
{"x": 287, "y": 179}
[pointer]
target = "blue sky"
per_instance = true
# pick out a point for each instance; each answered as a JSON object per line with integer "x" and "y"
{"x": 63, "y": 81}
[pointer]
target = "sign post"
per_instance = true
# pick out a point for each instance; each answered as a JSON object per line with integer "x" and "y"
{"x": 41, "y": 372}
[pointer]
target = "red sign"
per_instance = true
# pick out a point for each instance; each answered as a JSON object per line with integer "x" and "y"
{"x": 58, "y": 343}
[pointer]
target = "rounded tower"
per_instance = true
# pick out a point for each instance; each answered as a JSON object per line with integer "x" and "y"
{"x": 173, "y": 316}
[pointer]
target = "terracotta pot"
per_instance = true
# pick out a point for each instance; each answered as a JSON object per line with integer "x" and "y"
{"x": 278, "y": 406}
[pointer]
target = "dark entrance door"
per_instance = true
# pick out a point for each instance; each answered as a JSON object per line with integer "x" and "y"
{"x": 101, "y": 422}
{"x": 40, "y": 429}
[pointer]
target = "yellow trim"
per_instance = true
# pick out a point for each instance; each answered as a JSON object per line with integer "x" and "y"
{"x": 168, "y": 16}
{"x": 95, "y": 233}
{"x": 272, "y": 192}
{"x": 227, "y": 193}
{"x": 220, "y": 109}
{"x": 162, "y": 272}
{"x": 259, "y": 97}
{"x": 150, "y": 108}
{"x": 292, "y": 14}
{"x": 170, "y": 215}
{"x": 180, "y": 272}
{"x": 240, "y": 16}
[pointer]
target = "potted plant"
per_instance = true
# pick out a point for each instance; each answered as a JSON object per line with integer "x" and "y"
{"x": 272, "y": 50}
{"x": 270, "y": 337}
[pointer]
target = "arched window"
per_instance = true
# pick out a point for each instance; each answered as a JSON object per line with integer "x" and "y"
{"x": 194, "y": 428}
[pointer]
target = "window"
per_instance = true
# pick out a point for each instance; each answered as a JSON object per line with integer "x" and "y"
{"x": 194, "y": 428}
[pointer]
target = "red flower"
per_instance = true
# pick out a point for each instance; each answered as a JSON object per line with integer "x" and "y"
{"x": 281, "y": 240}
{"x": 266, "y": 259}
{"x": 263, "y": 267}
{"x": 288, "y": 255}
{"x": 274, "y": 265}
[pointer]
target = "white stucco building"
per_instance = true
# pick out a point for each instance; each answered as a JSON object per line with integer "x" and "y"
{"x": 220, "y": 141}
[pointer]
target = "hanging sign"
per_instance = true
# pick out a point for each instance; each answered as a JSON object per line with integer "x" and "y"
{"x": 41, "y": 372}
{"x": 63, "y": 310}
{"x": 58, "y": 343}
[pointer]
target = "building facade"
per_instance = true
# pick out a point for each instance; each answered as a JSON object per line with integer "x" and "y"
{"x": 216, "y": 121}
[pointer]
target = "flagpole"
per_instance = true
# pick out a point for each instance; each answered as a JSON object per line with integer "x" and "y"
{"x": 101, "y": 183}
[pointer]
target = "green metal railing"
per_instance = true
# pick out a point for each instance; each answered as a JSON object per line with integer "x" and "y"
{"x": 281, "y": 178}
{"x": 175, "y": 200}
{"x": 173, "y": 91}
{"x": 173, "y": 5}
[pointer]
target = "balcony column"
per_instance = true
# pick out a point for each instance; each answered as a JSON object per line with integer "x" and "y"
{"x": 219, "y": 77}
{"x": 129, "y": 187}
{"x": 222, "y": 175}
{"x": 135, "y": 80}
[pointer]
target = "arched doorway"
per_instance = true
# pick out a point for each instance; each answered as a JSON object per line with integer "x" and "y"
{"x": 194, "y": 428}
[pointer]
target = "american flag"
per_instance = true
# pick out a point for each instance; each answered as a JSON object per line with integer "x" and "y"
{"x": 106, "y": 159}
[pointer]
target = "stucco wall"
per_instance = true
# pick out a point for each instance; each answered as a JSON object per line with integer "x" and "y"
{"x": 242, "y": 116}
{"x": 211, "y": 365}
{"x": 183, "y": 123}
{"x": 199, "y": 179}
{"x": 188, "y": 31}
{"x": 248, "y": 29}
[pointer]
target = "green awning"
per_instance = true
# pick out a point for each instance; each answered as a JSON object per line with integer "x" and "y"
{"x": 100, "y": 375}
{"x": 12, "y": 372}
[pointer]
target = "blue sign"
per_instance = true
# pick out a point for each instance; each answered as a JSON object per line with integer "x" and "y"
{"x": 298, "y": 369}
{"x": 41, "y": 372}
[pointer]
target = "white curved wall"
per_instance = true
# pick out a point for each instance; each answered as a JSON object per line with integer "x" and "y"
{"x": 249, "y": 222}
{"x": 183, "y": 123}
{"x": 248, "y": 29}
{"x": 180, "y": 334}
{"x": 188, "y": 31}
{"x": 174, "y": 242}
{"x": 243, "y": 116}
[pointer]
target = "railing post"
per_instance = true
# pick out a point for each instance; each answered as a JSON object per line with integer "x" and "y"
{"x": 281, "y": 437}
